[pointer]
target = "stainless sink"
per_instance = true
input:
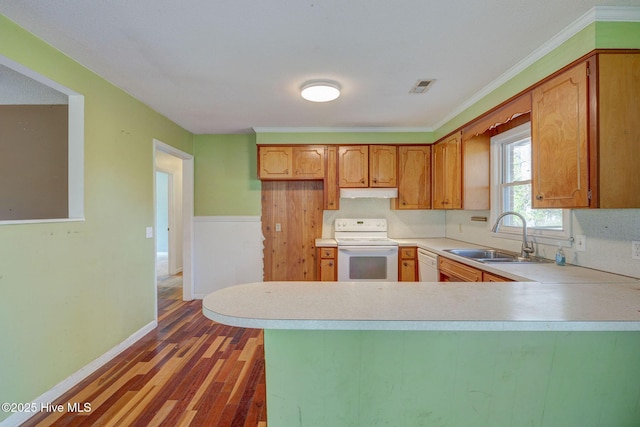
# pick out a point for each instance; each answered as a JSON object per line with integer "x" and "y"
{"x": 493, "y": 255}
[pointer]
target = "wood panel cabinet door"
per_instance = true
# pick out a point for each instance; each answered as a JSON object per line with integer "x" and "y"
{"x": 618, "y": 132}
{"x": 353, "y": 166}
{"x": 327, "y": 268}
{"x": 331, "y": 189}
{"x": 308, "y": 162}
{"x": 447, "y": 173}
{"x": 454, "y": 271}
{"x": 490, "y": 277}
{"x": 408, "y": 265}
{"x": 275, "y": 162}
{"x": 414, "y": 177}
{"x": 559, "y": 141}
{"x": 382, "y": 166}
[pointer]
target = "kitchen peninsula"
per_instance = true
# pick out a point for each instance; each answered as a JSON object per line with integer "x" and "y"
{"x": 411, "y": 354}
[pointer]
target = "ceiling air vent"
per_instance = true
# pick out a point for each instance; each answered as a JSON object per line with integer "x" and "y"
{"x": 421, "y": 86}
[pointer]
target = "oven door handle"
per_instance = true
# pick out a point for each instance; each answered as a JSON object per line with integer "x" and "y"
{"x": 368, "y": 249}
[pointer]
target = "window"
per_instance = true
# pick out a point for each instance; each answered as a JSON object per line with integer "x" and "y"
{"x": 511, "y": 187}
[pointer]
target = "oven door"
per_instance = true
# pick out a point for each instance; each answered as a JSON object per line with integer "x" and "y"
{"x": 368, "y": 263}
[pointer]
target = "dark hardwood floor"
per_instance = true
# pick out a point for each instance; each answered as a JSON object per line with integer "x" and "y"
{"x": 190, "y": 371}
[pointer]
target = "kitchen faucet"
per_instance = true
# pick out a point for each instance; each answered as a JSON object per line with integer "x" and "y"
{"x": 527, "y": 247}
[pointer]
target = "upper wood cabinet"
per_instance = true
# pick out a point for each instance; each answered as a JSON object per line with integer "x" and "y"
{"x": 618, "y": 131}
{"x": 291, "y": 163}
{"x": 559, "y": 135}
{"x": 353, "y": 166}
{"x": 414, "y": 177}
{"x": 367, "y": 166}
{"x": 331, "y": 189}
{"x": 585, "y": 135}
{"x": 383, "y": 170}
{"x": 447, "y": 173}
{"x": 476, "y": 175}
{"x": 461, "y": 175}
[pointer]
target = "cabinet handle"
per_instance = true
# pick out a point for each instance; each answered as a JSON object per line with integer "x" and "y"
{"x": 539, "y": 197}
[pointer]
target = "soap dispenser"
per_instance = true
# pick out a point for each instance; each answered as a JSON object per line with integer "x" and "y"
{"x": 560, "y": 258}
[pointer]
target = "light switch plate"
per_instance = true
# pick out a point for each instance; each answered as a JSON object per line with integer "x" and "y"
{"x": 580, "y": 241}
{"x": 149, "y": 232}
{"x": 635, "y": 250}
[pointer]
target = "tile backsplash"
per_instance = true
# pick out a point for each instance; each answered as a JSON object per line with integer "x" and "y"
{"x": 402, "y": 224}
{"x": 609, "y": 233}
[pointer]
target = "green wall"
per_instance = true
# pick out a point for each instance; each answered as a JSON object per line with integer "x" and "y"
{"x": 226, "y": 179}
{"x": 480, "y": 379}
{"x": 72, "y": 291}
{"x": 600, "y": 35}
{"x": 241, "y": 195}
{"x": 344, "y": 138}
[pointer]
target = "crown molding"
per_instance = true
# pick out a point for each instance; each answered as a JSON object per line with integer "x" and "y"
{"x": 597, "y": 13}
{"x": 372, "y": 129}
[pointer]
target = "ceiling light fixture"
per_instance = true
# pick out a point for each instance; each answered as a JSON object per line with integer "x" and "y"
{"x": 320, "y": 91}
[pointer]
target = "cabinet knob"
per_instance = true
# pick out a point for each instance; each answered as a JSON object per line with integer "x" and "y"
{"x": 330, "y": 264}
{"x": 362, "y": 180}
{"x": 539, "y": 197}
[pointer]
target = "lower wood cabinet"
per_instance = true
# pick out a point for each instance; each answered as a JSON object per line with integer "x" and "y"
{"x": 454, "y": 271}
{"x": 327, "y": 264}
{"x": 408, "y": 264}
{"x": 490, "y": 277}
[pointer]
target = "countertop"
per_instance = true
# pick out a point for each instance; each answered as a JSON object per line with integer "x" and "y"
{"x": 544, "y": 297}
{"x": 543, "y": 272}
{"x": 516, "y": 306}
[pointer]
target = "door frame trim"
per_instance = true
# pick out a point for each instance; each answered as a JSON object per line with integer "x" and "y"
{"x": 187, "y": 214}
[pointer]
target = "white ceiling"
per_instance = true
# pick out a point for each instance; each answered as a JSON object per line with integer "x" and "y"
{"x": 226, "y": 66}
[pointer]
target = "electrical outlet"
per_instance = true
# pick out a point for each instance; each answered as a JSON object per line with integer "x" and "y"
{"x": 149, "y": 232}
{"x": 278, "y": 227}
{"x": 580, "y": 241}
{"x": 635, "y": 250}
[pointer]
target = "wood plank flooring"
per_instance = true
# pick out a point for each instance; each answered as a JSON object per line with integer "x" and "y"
{"x": 190, "y": 371}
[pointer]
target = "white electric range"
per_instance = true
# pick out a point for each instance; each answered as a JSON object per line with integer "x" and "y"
{"x": 365, "y": 252}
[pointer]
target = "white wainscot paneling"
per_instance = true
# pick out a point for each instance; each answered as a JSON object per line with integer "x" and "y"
{"x": 227, "y": 252}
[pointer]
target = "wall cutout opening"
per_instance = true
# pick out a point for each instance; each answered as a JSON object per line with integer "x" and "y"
{"x": 41, "y": 148}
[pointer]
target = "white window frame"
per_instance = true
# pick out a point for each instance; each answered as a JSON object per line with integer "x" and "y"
{"x": 75, "y": 196}
{"x": 539, "y": 235}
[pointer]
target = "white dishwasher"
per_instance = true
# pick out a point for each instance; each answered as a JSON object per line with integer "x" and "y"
{"x": 428, "y": 266}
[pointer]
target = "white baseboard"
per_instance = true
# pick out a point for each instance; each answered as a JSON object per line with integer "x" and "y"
{"x": 65, "y": 385}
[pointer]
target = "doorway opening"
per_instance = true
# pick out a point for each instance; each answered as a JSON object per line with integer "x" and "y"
{"x": 173, "y": 200}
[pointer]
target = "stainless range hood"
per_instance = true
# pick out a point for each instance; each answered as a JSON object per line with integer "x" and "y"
{"x": 368, "y": 193}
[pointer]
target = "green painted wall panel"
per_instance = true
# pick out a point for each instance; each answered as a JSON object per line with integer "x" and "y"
{"x": 618, "y": 35}
{"x": 344, "y": 138}
{"x": 226, "y": 177}
{"x": 394, "y": 378}
{"x": 72, "y": 291}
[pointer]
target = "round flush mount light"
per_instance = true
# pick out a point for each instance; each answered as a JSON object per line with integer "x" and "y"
{"x": 320, "y": 91}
